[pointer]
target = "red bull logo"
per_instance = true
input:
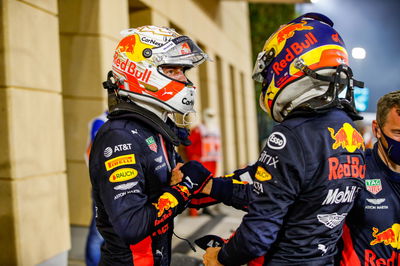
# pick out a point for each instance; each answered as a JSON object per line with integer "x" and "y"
{"x": 351, "y": 168}
{"x": 347, "y": 137}
{"x": 184, "y": 189}
{"x": 165, "y": 202}
{"x": 390, "y": 236}
{"x": 289, "y": 30}
{"x": 127, "y": 45}
{"x": 131, "y": 68}
{"x": 294, "y": 49}
{"x": 371, "y": 258}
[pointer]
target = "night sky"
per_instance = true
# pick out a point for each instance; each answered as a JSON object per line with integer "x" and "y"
{"x": 375, "y": 26}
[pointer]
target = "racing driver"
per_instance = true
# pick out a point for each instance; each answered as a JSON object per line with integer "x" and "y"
{"x": 133, "y": 154}
{"x": 310, "y": 171}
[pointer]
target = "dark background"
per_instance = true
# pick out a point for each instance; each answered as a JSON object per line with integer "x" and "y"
{"x": 375, "y": 26}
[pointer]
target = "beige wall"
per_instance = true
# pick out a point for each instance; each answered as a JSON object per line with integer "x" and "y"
{"x": 34, "y": 223}
{"x": 88, "y": 39}
{"x": 54, "y": 55}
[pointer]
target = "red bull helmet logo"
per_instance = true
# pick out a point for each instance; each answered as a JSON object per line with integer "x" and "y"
{"x": 288, "y": 31}
{"x": 390, "y": 236}
{"x": 347, "y": 137}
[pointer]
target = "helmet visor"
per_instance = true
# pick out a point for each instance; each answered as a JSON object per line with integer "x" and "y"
{"x": 259, "y": 67}
{"x": 180, "y": 51}
{"x": 264, "y": 59}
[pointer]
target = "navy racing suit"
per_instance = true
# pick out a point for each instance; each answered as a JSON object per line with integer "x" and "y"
{"x": 372, "y": 231}
{"x": 305, "y": 183}
{"x": 130, "y": 171}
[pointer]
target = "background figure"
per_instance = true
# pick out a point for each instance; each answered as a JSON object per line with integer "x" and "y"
{"x": 94, "y": 239}
{"x": 206, "y": 145}
{"x": 371, "y": 233}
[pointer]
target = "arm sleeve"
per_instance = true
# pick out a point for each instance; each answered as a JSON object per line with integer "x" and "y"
{"x": 277, "y": 179}
{"x": 232, "y": 190}
{"x": 122, "y": 190}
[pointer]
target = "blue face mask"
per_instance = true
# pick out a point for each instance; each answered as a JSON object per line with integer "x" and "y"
{"x": 393, "y": 150}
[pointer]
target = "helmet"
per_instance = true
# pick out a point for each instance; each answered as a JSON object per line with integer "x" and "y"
{"x": 297, "y": 64}
{"x": 137, "y": 67}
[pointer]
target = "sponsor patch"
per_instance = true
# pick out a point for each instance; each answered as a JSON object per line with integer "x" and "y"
{"x": 120, "y": 160}
{"x": 125, "y": 186}
{"x": 123, "y": 147}
{"x": 371, "y": 258}
{"x": 152, "y": 144}
{"x": 123, "y": 174}
{"x": 276, "y": 141}
{"x": 158, "y": 167}
{"x": 165, "y": 202}
{"x": 350, "y": 168}
{"x": 373, "y": 185}
{"x": 323, "y": 248}
{"x": 262, "y": 174}
{"x": 347, "y": 137}
{"x": 159, "y": 159}
{"x": 258, "y": 188}
{"x": 245, "y": 177}
{"x": 108, "y": 152}
{"x": 123, "y": 194}
{"x": 331, "y": 220}
{"x": 268, "y": 159}
{"x": 390, "y": 236}
{"x": 376, "y": 201}
{"x": 336, "y": 196}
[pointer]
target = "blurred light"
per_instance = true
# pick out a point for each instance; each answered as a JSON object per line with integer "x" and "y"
{"x": 361, "y": 98}
{"x": 314, "y": 1}
{"x": 358, "y": 53}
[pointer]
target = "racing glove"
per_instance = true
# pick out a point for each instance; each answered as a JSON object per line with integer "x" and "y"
{"x": 195, "y": 176}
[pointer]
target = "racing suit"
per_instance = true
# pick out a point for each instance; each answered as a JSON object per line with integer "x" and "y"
{"x": 130, "y": 171}
{"x": 372, "y": 230}
{"x": 305, "y": 182}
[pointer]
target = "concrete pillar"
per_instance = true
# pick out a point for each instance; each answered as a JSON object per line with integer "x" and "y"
{"x": 89, "y": 33}
{"x": 250, "y": 120}
{"x": 227, "y": 125}
{"x": 239, "y": 119}
{"x": 33, "y": 190}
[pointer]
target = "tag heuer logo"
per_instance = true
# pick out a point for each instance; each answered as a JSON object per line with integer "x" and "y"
{"x": 373, "y": 185}
{"x": 152, "y": 144}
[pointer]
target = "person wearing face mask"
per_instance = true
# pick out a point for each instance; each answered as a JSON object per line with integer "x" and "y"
{"x": 372, "y": 231}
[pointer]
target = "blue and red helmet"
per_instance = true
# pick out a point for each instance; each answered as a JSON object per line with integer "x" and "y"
{"x": 307, "y": 41}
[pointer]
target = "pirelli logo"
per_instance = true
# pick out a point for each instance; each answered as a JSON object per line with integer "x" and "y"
{"x": 120, "y": 160}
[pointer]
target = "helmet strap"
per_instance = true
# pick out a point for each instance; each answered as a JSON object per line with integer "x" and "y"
{"x": 112, "y": 90}
{"x": 331, "y": 98}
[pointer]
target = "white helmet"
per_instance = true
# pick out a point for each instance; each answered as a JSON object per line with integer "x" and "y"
{"x": 137, "y": 64}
